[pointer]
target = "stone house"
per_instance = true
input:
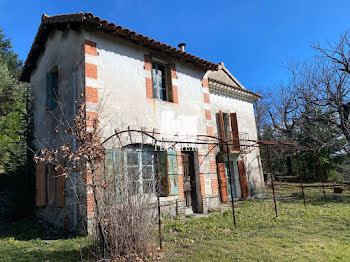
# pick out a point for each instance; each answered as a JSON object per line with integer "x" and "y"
{"x": 131, "y": 81}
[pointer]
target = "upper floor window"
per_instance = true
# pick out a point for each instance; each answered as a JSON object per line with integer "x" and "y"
{"x": 228, "y": 130}
{"x": 52, "y": 88}
{"x": 160, "y": 81}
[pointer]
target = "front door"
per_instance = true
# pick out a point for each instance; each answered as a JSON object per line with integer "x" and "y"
{"x": 189, "y": 181}
{"x": 229, "y": 185}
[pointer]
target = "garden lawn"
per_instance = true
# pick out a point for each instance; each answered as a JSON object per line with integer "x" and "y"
{"x": 25, "y": 241}
{"x": 319, "y": 232}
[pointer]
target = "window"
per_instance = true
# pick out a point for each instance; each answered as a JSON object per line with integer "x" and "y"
{"x": 139, "y": 169}
{"x": 228, "y": 127}
{"x": 52, "y": 88}
{"x": 160, "y": 81}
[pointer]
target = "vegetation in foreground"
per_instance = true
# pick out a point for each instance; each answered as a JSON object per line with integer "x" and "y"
{"x": 321, "y": 232}
{"x": 25, "y": 241}
{"x": 318, "y": 233}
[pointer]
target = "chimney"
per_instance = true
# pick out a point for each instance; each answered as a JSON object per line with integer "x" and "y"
{"x": 182, "y": 46}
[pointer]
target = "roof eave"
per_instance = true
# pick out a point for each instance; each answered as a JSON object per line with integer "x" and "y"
{"x": 49, "y": 23}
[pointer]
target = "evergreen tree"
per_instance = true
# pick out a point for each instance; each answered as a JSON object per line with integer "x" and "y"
{"x": 13, "y": 110}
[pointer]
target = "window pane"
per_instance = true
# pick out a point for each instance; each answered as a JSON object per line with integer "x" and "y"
{"x": 148, "y": 187}
{"x": 163, "y": 94}
{"x": 160, "y": 82}
{"x": 161, "y": 69}
{"x": 147, "y": 172}
{"x": 133, "y": 175}
{"x": 134, "y": 188}
{"x": 132, "y": 158}
{"x": 147, "y": 157}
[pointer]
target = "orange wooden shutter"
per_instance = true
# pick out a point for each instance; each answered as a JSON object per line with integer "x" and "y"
{"x": 40, "y": 182}
{"x": 222, "y": 130}
{"x": 52, "y": 184}
{"x": 61, "y": 179}
{"x": 234, "y": 128}
{"x": 222, "y": 182}
{"x": 243, "y": 178}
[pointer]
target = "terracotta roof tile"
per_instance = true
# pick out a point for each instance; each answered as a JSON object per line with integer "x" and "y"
{"x": 49, "y": 23}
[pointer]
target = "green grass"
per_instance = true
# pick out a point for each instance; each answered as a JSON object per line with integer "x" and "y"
{"x": 25, "y": 241}
{"x": 321, "y": 232}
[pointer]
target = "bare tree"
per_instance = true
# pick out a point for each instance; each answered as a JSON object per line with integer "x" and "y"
{"x": 333, "y": 82}
{"x": 123, "y": 224}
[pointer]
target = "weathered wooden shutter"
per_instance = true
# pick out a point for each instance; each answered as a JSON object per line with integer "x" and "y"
{"x": 222, "y": 130}
{"x": 40, "y": 181}
{"x": 113, "y": 169}
{"x": 172, "y": 88}
{"x": 52, "y": 90}
{"x": 113, "y": 162}
{"x": 169, "y": 83}
{"x": 61, "y": 180}
{"x": 243, "y": 178}
{"x": 163, "y": 173}
{"x": 222, "y": 182}
{"x": 173, "y": 173}
{"x": 234, "y": 129}
{"x": 52, "y": 184}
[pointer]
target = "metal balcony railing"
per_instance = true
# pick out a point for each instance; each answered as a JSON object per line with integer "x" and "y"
{"x": 236, "y": 145}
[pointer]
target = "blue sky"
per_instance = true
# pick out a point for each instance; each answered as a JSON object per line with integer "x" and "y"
{"x": 253, "y": 37}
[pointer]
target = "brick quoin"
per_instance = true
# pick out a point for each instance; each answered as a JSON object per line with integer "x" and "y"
{"x": 211, "y": 149}
{"x": 181, "y": 178}
{"x": 88, "y": 174}
{"x": 201, "y": 179}
{"x": 91, "y": 94}
{"x": 90, "y": 48}
{"x": 148, "y": 64}
{"x": 181, "y": 186}
{"x": 207, "y": 114}
{"x": 91, "y": 70}
{"x": 214, "y": 186}
{"x": 179, "y": 159}
{"x": 149, "y": 88}
{"x": 175, "y": 97}
{"x": 206, "y": 98}
{"x": 209, "y": 130}
{"x": 205, "y": 82}
{"x": 90, "y": 205}
{"x": 212, "y": 166}
{"x": 173, "y": 71}
{"x": 200, "y": 157}
{"x": 90, "y": 118}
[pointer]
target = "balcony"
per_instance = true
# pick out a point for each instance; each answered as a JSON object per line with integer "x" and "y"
{"x": 236, "y": 145}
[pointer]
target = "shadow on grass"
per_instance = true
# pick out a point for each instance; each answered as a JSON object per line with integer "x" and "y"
{"x": 45, "y": 254}
{"x": 28, "y": 229}
{"x": 317, "y": 198}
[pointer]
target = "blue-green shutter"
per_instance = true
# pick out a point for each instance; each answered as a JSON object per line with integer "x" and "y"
{"x": 51, "y": 90}
{"x": 163, "y": 174}
{"x": 173, "y": 172}
{"x": 113, "y": 168}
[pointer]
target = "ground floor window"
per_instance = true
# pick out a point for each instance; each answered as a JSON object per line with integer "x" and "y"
{"x": 139, "y": 169}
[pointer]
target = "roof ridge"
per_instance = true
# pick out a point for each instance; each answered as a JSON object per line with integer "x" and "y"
{"x": 51, "y": 22}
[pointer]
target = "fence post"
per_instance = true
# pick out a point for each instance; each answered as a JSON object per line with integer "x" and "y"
{"x": 272, "y": 185}
{"x": 301, "y": 177}
{"x": 158, "y": 200}
{"x": 322, "y": 176}
{"x": 230, "y": 176}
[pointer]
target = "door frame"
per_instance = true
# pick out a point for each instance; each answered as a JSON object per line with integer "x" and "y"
{"x": 197, "y": 205}
{"x": 222, "y": 158}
